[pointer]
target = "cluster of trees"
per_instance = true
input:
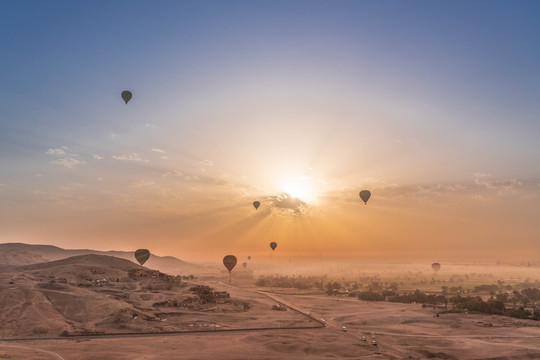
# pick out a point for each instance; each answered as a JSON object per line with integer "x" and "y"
{"x": 461, "y": 303}
{"x": 503, "y": 293}
{"x": 476, "y": 304}
{"x": 525, "y": 297}
{"x": 493, "y": 306}
{"x": 420, "y": 298}
{"x": 296, "y": 282}
{"x": 503, "y": 301}
{"x": 335, "y": 288}
{"x": 486, "y": 288}
{"x": 369, "y": 296}
{"x": 532, "y": 293}
{"x": 330, "y": 287}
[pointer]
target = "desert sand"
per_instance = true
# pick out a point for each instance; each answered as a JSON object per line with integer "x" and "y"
{"x": 401, "y": 331}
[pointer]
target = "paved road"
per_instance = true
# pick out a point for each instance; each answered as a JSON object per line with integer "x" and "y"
{"x": 160, "y": 334}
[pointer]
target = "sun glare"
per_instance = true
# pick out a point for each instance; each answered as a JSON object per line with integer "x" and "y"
{"x": 300, "y": 187}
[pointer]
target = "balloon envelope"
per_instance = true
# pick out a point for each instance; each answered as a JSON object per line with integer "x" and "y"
{"x": 249, "y": 257}
{"x": 230, "y": 262}
{"x": 126, "y": 95}
{"x": 256, "y": 204}
{"x": 365, "y": 195}
{"x": 273, "y": 245}
{"x": 436, "y": 267}
{"x": 244, "y": 264}
{"x": 142, "y": 255}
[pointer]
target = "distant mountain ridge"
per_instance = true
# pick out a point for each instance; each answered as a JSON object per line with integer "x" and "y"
{"x": 111, "y": 262}
{"x": 19, "y": 254}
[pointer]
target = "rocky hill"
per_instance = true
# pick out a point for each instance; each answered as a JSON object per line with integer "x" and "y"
{"x": 93, "y": 294}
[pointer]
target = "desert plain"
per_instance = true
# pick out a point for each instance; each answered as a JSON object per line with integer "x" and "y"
{"x": 98, "y": 306}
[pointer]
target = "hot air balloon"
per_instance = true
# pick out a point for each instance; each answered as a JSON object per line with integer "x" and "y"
{"x": 126, "y": 95}
{"x": 244, "y": 264}
{"x": 142, "y": 255}
{"x": 365, "y": 195}
{"x": 249, "y": 257}
{"x": 273, "y": 245}
{"x": 256, "y": 204}
{"x": 230, "y": 262}
{"x": 436, "y": 267}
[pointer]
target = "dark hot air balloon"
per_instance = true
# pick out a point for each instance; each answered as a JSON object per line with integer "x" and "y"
{"x": 142, "y": 255}
{"x": 126, "y": 95}
{"x": 256, "y": 204}
{"x": 249, "y": 257}
{"x": 273, "y": 245}
{"x": 244, "y": 264}
{"x": 436, "y": 267}
{"x": 230, "y": 262}
{"x": 365, "y": 195}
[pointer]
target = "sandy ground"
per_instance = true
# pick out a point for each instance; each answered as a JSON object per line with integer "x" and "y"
{"x": 285, "y": 344}
{"x": 402, "y": 331}
{"x": 32, "y": 305}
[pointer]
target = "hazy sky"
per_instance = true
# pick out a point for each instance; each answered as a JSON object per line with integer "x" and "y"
{"x": 433, "y": 106}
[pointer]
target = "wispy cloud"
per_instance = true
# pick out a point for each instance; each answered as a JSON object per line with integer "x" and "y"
{"x": 510, "y": 185}
{"x": 97, "y": 157}
{"x": 158, "y": 150}
{"x": 152, "y": 126}
{"x": 142, "y": 183}
{"x": 68, "y": 162}
{"x": 173, "y": 173}
{"x": 58, "y": 151}
{"x": 64, "y": 150}
{"x": 113, "y": 135}
{"x": 128, "y": 157}
{"x": 180, "y": 174}
{"x": 206, "y": 162}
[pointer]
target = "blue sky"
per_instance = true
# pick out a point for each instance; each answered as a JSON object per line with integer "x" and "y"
{"x": 477, "y": 62}
{"x": 261, "y": 95}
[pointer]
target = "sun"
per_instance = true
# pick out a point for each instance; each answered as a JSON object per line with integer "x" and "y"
{"x": 300, "y": 187}
{"x": 296, "y": 190}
